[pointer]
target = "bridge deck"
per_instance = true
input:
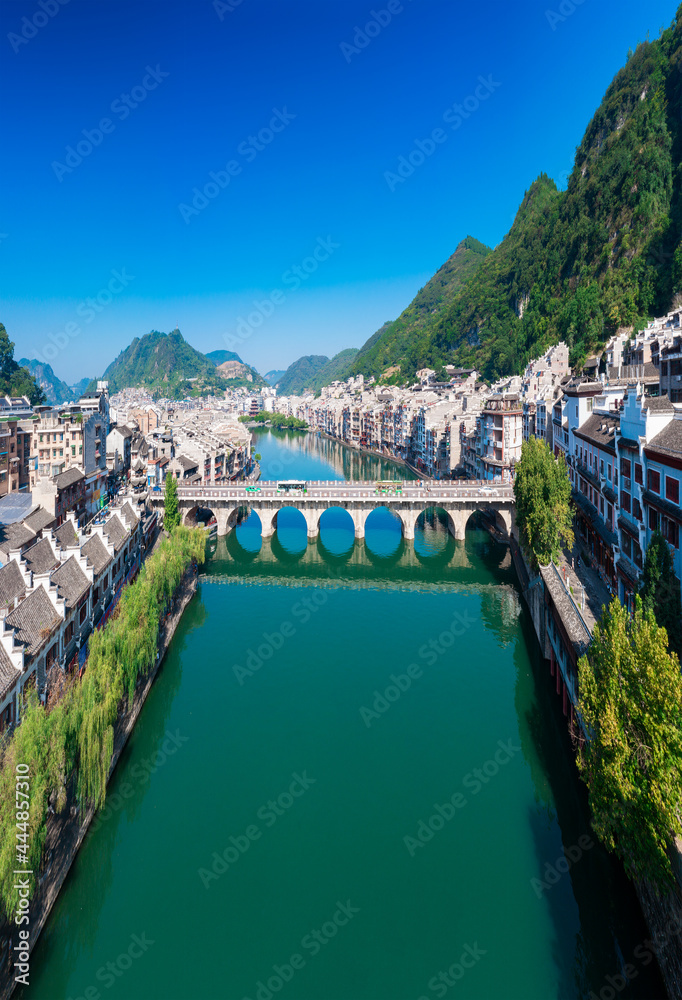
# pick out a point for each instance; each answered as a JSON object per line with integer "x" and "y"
{"x": 342, "y": 489}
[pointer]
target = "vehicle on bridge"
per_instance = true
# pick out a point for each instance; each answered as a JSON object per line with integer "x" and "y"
{"x": 388, "y": 486}
{"x": 253, "y": 489}
{"x": 292, "y": 486}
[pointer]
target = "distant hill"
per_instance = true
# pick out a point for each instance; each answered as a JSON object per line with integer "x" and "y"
{"x": 400, "y": 342}
{"x": 55, "y": 390}
{"x": 166, "y": 365}
{"x": 80, "y": 387}
{"x": 219, "y": 357}
{"x": 301, "y": 373}
{"x": 337, "y": 369}
{"x": 16, "y": 380}
{"x": 231, "y": 367}
{"x": 313, "y": 371}
{"x": 273, "y": 376}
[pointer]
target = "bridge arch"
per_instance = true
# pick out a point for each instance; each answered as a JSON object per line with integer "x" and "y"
{"x": 291, "y": 528}
{"x": 198, "y": 514}
{"x": 387, "y": 529}
{"x": 502, "y": 520}
{"x": 434, "y": 528}
{"x": 337, "y": 530}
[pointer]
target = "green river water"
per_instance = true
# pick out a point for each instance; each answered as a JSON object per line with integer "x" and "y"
{"x": 351, "y": 781}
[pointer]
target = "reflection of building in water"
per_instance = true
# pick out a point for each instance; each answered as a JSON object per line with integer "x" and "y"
{"x": 500, "y": 610}
{"x": 347, "y": 462}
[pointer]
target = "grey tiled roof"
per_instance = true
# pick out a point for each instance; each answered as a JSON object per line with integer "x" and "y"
{"x": 68, "y": 477}
{"x": 116, "y": 532}
{"x": 97, "y": 553}
{"x": 40, "y": 558}
{"x": 129, "y": 513}
{"x": 599, "y": 429}
{"x": 35, "y": 614}
{"x": 14, "y": 536}
{"x": 39, "y": 519}
{"x": 8, "y": 673}
{"x": 669, "y": 440}
{"x": 66, "y": 535}
{"x": 658, "y": 404}
{"x": 71, "y": 581}
{"x": 12, "y": 583}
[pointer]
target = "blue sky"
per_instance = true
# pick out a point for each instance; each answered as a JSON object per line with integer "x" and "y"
{"x": 302, "y": 121}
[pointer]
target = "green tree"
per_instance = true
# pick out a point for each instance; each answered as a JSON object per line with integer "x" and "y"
{"x": 14, "y": 380}
{"x": 631, "y": 707}
{"x": 660, "y": 590}
{"x": 543, "y": 491}
{"x": 171, "y": 510}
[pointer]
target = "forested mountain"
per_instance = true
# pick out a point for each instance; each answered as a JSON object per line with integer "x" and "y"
{"x": 219, "y": 357}
{"x": 404, "y": 340}
{"x": 231, "y": 367}
{"x": 15, "y": 380}
{"x": 272, "y": 377}
{"x": 55, "y": 390}
{"x": 576, "y": 264}
{"x": 337, "y": 368}
{"x": 166, "y": 365}
{"x": 301, "y": 373}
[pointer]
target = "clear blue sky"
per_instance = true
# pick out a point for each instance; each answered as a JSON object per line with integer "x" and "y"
{"x": 321, "y": 176}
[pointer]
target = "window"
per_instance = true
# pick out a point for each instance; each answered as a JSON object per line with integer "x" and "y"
{"x": 672, "y": 489}
{"x": 625, "y": 501}
{"x": 636, "y": 509}
{"x": 609, "y": 513}
{"x": 601, "y": 467}
{"x": 638, "y": 473}
{"x": 625, "y": 467}
{"x": 576, "y": 409}
{"x": 654, "y": 480}
{"x": 653, "y": 519}
{"x": 626, "y": 544}
{"x": 601, "y": 506}
{"x": 589, "y": 405}
{"x": 83, "y": 613}
{"x": 73, "y": 449}
{"x": 608, "y": 472}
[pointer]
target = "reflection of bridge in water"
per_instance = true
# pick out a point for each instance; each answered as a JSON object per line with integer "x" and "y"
{"x": 358, "y": 499}
{"x": 453, "y": 564}
{"x": 480, "y": 565}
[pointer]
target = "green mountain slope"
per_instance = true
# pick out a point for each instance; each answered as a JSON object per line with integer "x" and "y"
{"x": 54, "y": 389}
{"x": 337, "y": 368}
{"x": 403, "y": 340}
{"x": 15, "y": 380}
{"x": 578, "y": 264}
{"x": 166, "y": 365}
{"x": 301, "y": 373}
{"x": 272, "y": 377}
{"x": 219, "y": 357}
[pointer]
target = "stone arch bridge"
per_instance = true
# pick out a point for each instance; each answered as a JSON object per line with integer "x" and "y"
{"x": 459, "y": 499}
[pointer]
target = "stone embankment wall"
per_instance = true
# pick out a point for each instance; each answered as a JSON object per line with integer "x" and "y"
{"x": 66, "y": 830}
{"x": 663, "y": 915}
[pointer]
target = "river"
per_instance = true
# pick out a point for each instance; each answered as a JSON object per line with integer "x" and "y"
{"x": 351, "y": 781}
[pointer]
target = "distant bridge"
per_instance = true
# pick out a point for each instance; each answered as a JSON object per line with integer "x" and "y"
{"x": 458, "y": 500}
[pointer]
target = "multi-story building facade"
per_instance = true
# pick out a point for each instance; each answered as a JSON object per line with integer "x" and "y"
{"x": 499, "y": 437}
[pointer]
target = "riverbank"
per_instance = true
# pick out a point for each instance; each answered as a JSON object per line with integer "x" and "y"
{"x": 376, "y": 454}
{"x": 663, "y": 915}
{"x": 65, "y": 832}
